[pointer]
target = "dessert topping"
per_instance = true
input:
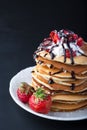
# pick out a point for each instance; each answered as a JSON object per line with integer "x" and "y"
{"x": 54, "y": 36}
{"x": 63, "y": 43}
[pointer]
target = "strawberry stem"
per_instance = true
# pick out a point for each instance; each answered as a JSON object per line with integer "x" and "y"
{"x": 40, "y": 93}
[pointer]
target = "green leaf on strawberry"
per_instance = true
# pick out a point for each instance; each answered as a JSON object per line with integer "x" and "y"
{"x": 40, "y": 94}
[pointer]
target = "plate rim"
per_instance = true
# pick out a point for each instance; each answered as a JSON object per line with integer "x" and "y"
{"x": 23, "y": 106}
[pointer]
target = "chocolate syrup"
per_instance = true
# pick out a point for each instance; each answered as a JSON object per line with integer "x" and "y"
{"x": 64, "y": 50}
{"x": 82, "y": 54}
{"x": 50, "y": 81}
{"x": 72, "y": 86}
{"x": 64, "y": 53}
{"x": 51, "y": 66}
{"x": 73, "y": 74}
{"x": 52, "y": 55}
{"x": 32, "y": 71}
{"x": 45, "y": 55}
{"x": 71, "y": 53}
{"x": 61, "y": 70}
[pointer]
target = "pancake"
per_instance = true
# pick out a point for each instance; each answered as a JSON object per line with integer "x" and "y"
{"x": 80, "y": 60}
{"x": 61, "y": 76}
{"x": 61, "y": 70}
{"x": 67, "y": 107}
{"x": 65, "y": 75}
{"x": 57, "y": 86}
{"x": 37, "y": 85}
{"x": 76, "y": 68}
{"x": 69, "y": 97}
{"x": 64, "y": 101}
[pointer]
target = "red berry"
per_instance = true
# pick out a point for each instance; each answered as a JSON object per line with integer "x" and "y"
{"x": 24, "y": 92}
{"x": 40, "y": 102}
{"x": 46, "y": 43}
{"x": 41, "y": 106}
{"x": 80, "y": 41}
{"x": 54, "y": 36}
{"x": 70, "y": 38}
{"x": 75, "y": 36}
{"x": 68, "y": 53}
{"x": 48, "y": 50}
{"x": 22, "y": 96}
{"x": 47, "y": 39}
{"x": 66, "y": 32}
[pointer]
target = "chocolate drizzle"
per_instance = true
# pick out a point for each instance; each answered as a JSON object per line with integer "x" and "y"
{"x": 64, "y": 53}
{"x": 72, "y": 86}
{"x": 51, "y": 66}
{"x": 32, "y": 71}
{"x": 65, "y": 40}
{"x": 52, "y": 55}
{"x": 73, "y": 74}
{"x": 45, "y": 55}
{"x": 82, "y": 54}
{"x": 61, "y": 70}
{"x": 71, "y": 53}
{"x": 50, "y": 81}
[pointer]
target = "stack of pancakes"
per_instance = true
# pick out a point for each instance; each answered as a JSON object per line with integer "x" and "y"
{"x": 65, "y": 81}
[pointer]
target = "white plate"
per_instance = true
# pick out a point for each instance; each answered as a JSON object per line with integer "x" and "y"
{"x": 25, "y": 76}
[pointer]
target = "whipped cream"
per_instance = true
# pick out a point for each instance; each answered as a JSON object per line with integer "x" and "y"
{"x": 58, "y": 50}
{"x": 63, "y": 43}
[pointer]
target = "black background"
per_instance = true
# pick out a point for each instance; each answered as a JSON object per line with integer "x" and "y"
{"x": 23, "y": 25}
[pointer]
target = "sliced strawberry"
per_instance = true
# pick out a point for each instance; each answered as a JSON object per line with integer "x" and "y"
{"x": 46, "y": 43}
{"x": 66, "y": 32}
{"x": 68, "y": 55}
{"x": 40, "y": 102}
{"x": 47, "y": 39}
{"x": 54, "y": 36}
{"x": 80, "y": 41}
{"x": 48, "y": 50}
{"x": 75, "y": 36}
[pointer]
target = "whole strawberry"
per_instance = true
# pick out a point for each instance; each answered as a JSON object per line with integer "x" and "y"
{"x": 24, "y": 92}
{"x": 80, "y": 41}
{"x": 40, "y": 102}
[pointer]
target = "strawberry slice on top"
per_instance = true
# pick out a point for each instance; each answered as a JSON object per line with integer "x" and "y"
{"x": 54, "y": 36}
{"x": 68, "y": 54}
